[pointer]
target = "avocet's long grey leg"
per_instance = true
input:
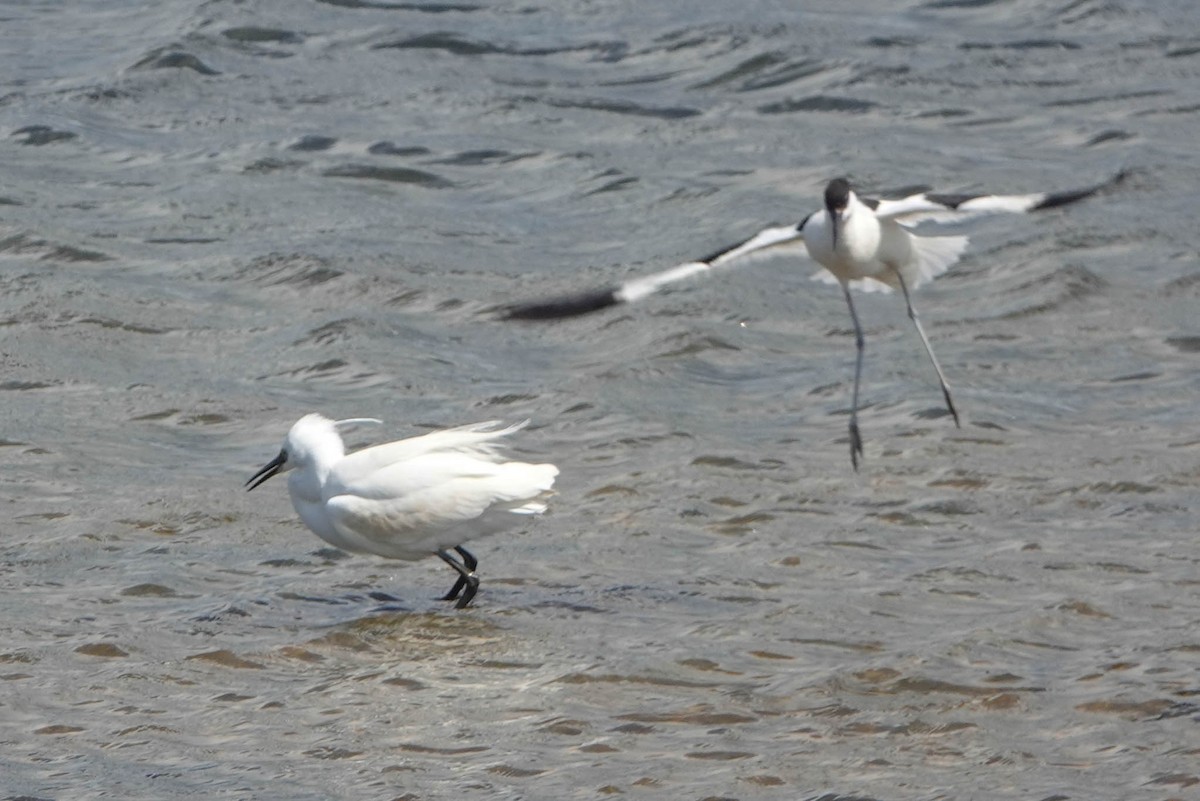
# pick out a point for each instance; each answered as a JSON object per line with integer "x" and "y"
{"x": 467, "y": 581}
{"x": 856, "y": 446}
{"x": 912, "y": 315}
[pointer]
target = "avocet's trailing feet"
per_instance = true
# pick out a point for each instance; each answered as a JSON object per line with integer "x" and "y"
{"x": 863, "y": 243}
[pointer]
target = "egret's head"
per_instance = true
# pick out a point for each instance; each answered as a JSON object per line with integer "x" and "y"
{"x": 311, "y": 437}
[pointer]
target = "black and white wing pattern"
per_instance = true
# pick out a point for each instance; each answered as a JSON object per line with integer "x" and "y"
{"x": 767, "y": 242}
{"x": 939, "y": 207}
{"x": 778, "y": 240}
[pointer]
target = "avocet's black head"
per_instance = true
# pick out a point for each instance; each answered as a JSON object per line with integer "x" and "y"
{"x": 837, "y": 195}
{"x": 837, "y": 198}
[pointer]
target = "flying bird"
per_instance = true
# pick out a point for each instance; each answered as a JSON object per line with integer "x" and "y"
{"x": 862, "y": 243}
{"x": 410, "y": 498}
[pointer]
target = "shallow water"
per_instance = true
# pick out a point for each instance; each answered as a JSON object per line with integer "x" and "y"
{"x": 216, "y": 217}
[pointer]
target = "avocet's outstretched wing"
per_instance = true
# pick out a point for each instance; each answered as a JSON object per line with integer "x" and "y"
{"x": 956, "y": 207}
{"x": 937, "y": 253}
{"x": 769, "y": 241}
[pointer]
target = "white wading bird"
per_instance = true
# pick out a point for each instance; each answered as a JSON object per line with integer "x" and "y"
{"x": 410, "y": 498}
{"x": 862, "y": 243}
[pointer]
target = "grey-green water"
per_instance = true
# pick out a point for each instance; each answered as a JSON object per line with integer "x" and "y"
{"x": 217, "y": 216}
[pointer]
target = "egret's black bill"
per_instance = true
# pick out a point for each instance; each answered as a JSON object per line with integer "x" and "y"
{"x": 268, "y": 470}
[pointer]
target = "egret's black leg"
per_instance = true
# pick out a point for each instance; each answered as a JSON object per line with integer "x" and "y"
{"x": 471, "y": 563}
{"x": 468, "y": 558}
{"x": 467, "y": 581}
{"x": 912, "y": 315}
{"x": 856, "y": 447}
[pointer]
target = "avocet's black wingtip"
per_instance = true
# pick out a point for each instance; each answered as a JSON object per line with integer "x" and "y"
{"x": 564, "y": 306}
{"x": 1121, "y": 176}
{"x": 1056, "y": 199}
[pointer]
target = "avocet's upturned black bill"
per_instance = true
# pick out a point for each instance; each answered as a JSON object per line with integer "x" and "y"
{"x": 863, "y": 243}
{"x": 410, "y": 498}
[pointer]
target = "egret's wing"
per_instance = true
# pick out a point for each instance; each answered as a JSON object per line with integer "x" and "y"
{"x": 477, "y": 439}
{"x": 769, "y": 241}
{"x": 437, "y": 491}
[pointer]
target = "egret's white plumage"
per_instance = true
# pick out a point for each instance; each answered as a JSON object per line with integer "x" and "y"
{"x": 861, "y": 243}
{"x": 410, "y": 498}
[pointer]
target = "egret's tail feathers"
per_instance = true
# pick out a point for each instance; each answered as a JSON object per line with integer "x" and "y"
{"x": 476, "y": 439}
{"x": 534, "y": 506}
{"x": 491, "y": 428}
{"x": 529, "y": 487}
{"x": 530, "y": 508}
{"x": 481, "y": 439}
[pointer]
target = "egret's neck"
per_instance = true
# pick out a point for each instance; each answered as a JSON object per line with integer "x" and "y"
{"x": 323, "y": 456}
{"x": 307, "y": 482}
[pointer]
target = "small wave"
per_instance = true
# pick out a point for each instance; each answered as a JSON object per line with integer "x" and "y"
{"x": 692, "y": 345}
{"x": 477, "y": 158}
{"x": 38, "y": 135}
{"x": 441, "y": 751}
{"x": 1112, "y": 135}
{"x": 1115, "y": 97}
{"x": 386, "y": 148}
{"x": 226, "y": 658}
{"x": 25, "y": 244}
{"x": 400, "y": 175}
{"x": 733, "y": 463}
{"x": 257, "y": 35}
{"x": 279, "y": 269}
{"x": 167, "y": 58}
{"x": 626, "y": 107}
{"x": 429, "y": 8}
{"x": 108, "y": 322}
{"x": 459, "y": 45}
{"x": 328, "y": 334}
{"x": 333, "y": 371}
{"x": 1184, "y": 344}
{"x": 271, "y": 164}
{"x": 1054, "y": 290}
{"x": 453, "y": 43}
{"x": 313, "y": 143}
{"x": 963, "y": 3}
{"x": 826, "y": 103}
{"x": 765, "y": 71}
{"x": 150, "y": 590}
{"x": 614, "y": 185}
{"x": 1023, "y": 44}
{"x": 25, "y": 386}
{"x": 621, "y": 678}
